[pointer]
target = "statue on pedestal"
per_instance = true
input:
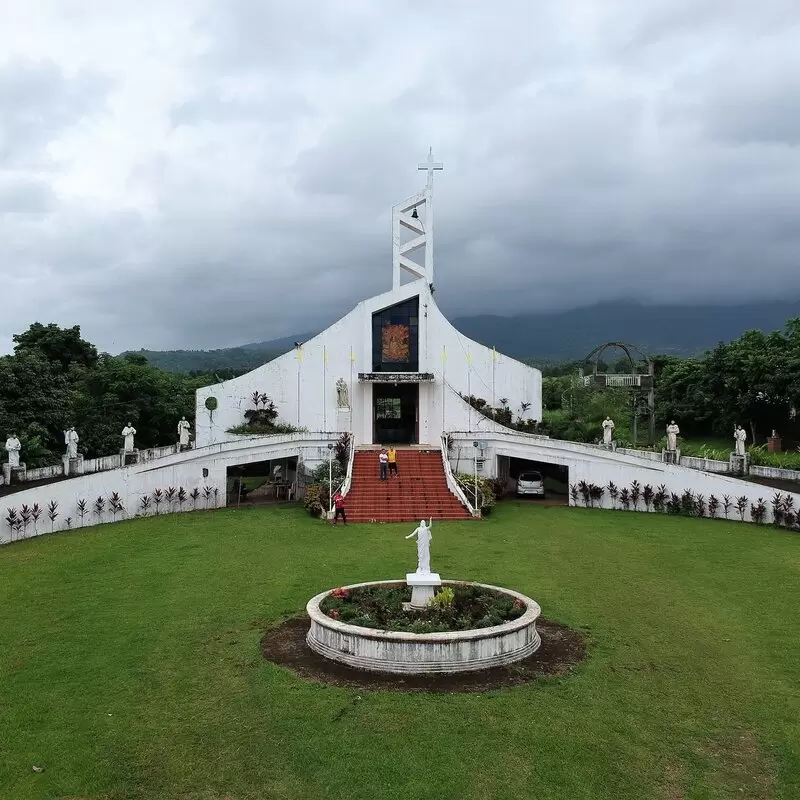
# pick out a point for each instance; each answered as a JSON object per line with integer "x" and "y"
{"x": 608, "y": 430}
{"x": 740, "y": 437}
{"x": 672, "y": 436}
{"x": 423, "y": 534}
{"x": 71, "y": 441}
{"x": 342, "y": 394}
{"x": 183, "y": 432}
{"x": 13, "y": 447}
{"x": 128, "y": 432}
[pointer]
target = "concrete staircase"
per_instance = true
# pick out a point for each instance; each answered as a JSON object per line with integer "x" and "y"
{"x": 419, "y": 491}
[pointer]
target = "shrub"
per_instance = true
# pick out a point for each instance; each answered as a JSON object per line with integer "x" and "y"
{"x": 741, "y": 506}
{"x": 313, "y": 499}
{"x": 625, "y": 498}
{"x": 573, "y": 493}
{"x": 636, "y": 493}
{"x": 700, "y": 505}
{"x": 443, "y": 598}
{"x": 613, "y": 493}
{"x": 583, "y": 488}
{"x": 486, "y": 495}
{"x": 688, "y": 504}
{"x": 660, "y": 498}
{"x": 648, "y": 495}
{"x": 673, "y": 504}
{"x": 341, "y": 451}
{"x": 595, "y": 493}
{"x": 726, "y": 505}
{"x": 758, "y": 510}
{"x": 713, "y": 506}
{"x": 778, "y": 513}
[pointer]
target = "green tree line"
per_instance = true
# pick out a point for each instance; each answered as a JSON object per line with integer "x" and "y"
{"x": 753, "y": 381}
{"x": 55, "y": 379}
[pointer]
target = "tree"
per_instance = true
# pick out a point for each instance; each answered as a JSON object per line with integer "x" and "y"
{"x": 35, "y": 404}
{"x": 57, "y": 345}
{"x": 123, "y": 388}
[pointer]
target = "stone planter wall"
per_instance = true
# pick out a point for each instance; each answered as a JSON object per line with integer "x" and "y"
{"x": 413, "y": 653}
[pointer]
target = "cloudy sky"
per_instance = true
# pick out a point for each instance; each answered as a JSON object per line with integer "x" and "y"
{"x": 189, "y": 173}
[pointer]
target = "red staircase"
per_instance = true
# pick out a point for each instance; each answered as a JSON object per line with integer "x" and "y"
{"x": 419, "y": 491}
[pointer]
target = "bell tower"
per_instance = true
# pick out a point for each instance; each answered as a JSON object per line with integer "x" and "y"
{"x": 415, "y": 216}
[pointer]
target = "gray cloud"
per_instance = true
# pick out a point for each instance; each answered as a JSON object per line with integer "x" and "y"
{"x": 231, "y": 181}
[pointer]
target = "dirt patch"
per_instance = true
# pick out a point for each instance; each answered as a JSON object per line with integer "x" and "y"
{"x": 740, "y": 766}
{"x": 562, "y": 648}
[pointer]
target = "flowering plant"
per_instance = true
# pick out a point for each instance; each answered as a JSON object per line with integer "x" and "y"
{"x": 341, "y": 594}
{"x": 333, "y": 614}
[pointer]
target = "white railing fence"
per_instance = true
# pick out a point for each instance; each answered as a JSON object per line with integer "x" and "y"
{"x": 452, "y": 483}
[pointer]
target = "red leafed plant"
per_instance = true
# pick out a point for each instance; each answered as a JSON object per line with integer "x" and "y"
{"x": 342, "y": 594}
{"x": 333, "y": 614}
{"x": 519, "y": 604}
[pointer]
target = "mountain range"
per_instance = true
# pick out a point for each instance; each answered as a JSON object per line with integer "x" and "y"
{"x": 546, "y": 337}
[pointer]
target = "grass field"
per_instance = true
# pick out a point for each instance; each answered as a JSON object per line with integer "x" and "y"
{"x": 130, "y": 666}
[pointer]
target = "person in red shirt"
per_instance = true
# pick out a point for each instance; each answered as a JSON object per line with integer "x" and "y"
{"x": 338, "y": 502}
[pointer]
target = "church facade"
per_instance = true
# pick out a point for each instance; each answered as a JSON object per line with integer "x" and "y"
{"x": 392, "y": 371}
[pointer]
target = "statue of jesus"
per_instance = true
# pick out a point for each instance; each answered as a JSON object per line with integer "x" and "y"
{"x": 423, "y": 534}
{"x": 608, "y": 430}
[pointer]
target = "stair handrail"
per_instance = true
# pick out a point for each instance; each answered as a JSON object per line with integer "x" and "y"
{"x": 452, "y": 483}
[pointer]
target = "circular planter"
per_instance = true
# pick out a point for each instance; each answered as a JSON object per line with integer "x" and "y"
{"x": 419, "y": 653}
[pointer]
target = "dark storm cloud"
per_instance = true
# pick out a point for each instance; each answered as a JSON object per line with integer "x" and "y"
{"x": 231, "y": 180}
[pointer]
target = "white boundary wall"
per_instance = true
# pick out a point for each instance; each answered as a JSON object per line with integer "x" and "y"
{"x": 180, "y": 470}
{"x": 595, "y": 464}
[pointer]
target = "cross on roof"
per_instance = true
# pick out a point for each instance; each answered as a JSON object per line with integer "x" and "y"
{"x": 430, "y": 165}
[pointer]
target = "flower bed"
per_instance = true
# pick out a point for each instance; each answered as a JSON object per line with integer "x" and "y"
{"x": 454, "y": 608}
{"x": 426, "y": 651}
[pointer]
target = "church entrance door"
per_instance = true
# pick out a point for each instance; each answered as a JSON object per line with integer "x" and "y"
{"x": 395, "y": 413}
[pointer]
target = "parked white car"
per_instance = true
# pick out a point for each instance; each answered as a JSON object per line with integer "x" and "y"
{"x": 530, "y": 483}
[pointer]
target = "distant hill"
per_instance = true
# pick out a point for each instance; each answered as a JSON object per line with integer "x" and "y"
{"x": 545, "y": 337}
{"x": 674, "y": 330}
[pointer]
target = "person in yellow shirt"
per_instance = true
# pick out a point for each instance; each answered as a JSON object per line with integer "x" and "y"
{"x": 392, "y": 454}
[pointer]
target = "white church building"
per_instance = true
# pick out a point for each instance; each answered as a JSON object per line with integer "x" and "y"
{"x": 392, "y": 371}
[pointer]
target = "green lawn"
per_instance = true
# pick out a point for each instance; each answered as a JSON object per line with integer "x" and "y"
{"x": 130, "y": 667}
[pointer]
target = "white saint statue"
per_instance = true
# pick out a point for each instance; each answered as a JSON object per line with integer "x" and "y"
{"x": 672, "y": 436}
{"x": 608, "y": 430}
{"x": 342, "y": 395}
{"x": 183, "y": 432}
{"x": 128, "y": 432}
{"x": 13, "y": 447}
{"x": 740, "y": 437}
{"x": 71, "y": 440}
{"x": 423, "y": 534}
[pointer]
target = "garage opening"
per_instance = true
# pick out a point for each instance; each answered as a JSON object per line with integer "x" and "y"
{"x": 538, "y": 481}
{"x": 262, "y": 482}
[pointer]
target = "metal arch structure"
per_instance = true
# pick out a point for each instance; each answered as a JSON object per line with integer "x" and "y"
{"x": 632, "y": 381}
